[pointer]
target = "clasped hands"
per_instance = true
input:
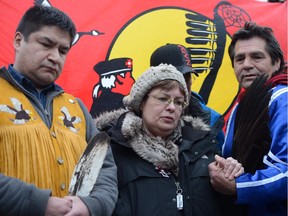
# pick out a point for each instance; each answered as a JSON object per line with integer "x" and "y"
{"x": 223, "y": 173}
{"x": 67, "y": 206}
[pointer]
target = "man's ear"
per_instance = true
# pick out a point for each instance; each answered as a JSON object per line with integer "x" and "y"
{"x": 17, "y": 40}
{"x": 277, "y": 63}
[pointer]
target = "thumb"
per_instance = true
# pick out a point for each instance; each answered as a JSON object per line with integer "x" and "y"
{"x": 220, "y": 160}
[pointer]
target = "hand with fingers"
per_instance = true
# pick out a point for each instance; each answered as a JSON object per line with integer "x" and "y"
{"x": 78, "y": 207}
{"x": 223, "y": 173}
{"x": 58, "y": 206}
{"x": 231, "y": 167}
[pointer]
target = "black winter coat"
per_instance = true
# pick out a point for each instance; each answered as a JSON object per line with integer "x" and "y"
{"x": 145, "y": 190}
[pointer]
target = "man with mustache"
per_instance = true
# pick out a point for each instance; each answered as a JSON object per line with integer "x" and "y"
{"x": 256, "y": 134}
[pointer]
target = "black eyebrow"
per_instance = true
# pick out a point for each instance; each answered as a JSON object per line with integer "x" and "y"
{"x": 53, "y": 42}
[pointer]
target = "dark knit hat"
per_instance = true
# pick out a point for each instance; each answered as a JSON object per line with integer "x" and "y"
{"x": 174, "y": 54}
{"x": 147, "y": 80}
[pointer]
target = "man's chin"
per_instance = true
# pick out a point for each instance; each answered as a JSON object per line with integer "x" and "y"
{"x": 44, "y": 83}
{"x": 246, "y": 84}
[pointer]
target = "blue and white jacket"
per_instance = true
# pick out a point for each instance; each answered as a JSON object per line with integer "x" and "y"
{"x": 265, "y": 192}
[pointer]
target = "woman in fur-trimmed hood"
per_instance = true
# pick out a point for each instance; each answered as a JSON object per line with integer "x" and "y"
{"x": 162, "y": 157}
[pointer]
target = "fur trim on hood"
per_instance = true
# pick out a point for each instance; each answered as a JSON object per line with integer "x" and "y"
{"x": 107, "y": 117}
{"x": 163, "y": 153}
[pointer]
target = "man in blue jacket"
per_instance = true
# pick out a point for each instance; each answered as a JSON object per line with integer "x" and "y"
{"x": 257, "y": 129}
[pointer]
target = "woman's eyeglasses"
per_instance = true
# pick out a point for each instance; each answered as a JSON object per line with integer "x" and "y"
{"x": 165, "y": 100}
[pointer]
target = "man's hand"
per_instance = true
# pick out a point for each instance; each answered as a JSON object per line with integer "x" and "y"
{"x": 231, "y": 167}
{"x": 78, "y": 207}
{"x": 223, "y": 173}
{"x": 218, "y": 180}
{"x": 58, "y": 206}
